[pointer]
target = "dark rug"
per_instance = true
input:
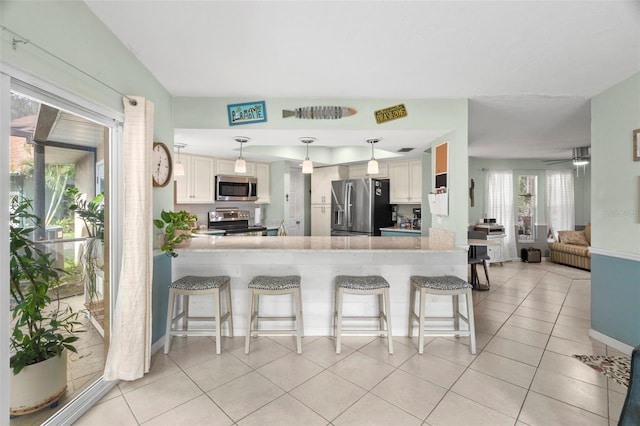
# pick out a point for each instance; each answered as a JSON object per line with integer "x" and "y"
{"x": 617, "y": 368}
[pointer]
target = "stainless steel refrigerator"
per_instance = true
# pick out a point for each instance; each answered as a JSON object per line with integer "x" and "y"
{"x": 360, "y": 207}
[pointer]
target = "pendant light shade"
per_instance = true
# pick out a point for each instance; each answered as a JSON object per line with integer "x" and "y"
{"x": 241, "y": 165}
{"x": 178, "y": 168}
{"x": 307, "y": 165}
{"x": 372, "y": 165}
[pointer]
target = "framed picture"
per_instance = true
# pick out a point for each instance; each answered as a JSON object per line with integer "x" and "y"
{"x": 636, "y": 145}
{"x": 246, "y": 113}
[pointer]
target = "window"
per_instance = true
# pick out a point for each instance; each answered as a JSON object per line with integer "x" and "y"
{"x": 526, "y": 209}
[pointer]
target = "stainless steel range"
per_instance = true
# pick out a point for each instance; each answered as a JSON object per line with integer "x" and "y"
{"x": 233, "y": 222}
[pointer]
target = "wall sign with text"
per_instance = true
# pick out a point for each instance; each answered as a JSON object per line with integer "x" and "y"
{"x": 391, "y": 113}
{"x": 247, "y": 113}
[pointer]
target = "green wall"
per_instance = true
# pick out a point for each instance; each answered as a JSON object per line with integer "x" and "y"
{"x": 615, "y": 237}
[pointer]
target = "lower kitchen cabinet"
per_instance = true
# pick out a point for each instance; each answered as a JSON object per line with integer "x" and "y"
{"x": 321, "y": 220}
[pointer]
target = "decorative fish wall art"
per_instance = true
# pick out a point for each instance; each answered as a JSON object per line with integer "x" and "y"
{"x": 319, "y": 112}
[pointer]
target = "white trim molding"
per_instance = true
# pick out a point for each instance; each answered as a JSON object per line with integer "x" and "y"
{"x": 609, "y": 341}
{"x": 618, "y": 254}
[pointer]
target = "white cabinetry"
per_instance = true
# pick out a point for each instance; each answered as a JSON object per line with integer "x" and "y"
{"x": 226, "y": 167}
{"x": 496, "y": 251}
{"x": 359, "y": 171}
{"x": 321, "y": 197}
{"x": 405, "y": 182}
{"x": 263, "y": 174}
{"x": 196, "y": 186}
{"x": 321, "y": 182}
{"x": 321, "y": 220}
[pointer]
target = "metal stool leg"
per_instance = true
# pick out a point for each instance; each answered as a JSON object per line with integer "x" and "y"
{"x": 167, "y": 333}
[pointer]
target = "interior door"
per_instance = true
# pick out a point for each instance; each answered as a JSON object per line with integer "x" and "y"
{"x": 295, "y": 214}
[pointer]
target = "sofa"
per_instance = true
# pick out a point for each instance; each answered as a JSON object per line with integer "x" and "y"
{"x": 572, "y": 248}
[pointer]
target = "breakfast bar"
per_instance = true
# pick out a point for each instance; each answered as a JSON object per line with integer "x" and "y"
{"x": 318, "y": 260}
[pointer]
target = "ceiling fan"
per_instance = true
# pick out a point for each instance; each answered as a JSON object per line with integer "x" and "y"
{"x": 581, "y": 157}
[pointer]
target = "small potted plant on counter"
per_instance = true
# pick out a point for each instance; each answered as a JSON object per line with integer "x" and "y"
{"x": 177, "y": 228}
{"x": 41, "y": 330}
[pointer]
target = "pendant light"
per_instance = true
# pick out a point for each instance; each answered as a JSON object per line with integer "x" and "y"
{"x": 372, "y": 165}
{"x": 178, "y": 168}
{"x": 241, "y": 165}
{"x": 307, "y": 165}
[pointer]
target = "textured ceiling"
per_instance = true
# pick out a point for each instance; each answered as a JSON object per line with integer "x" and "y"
{"x": 529, "y": 67}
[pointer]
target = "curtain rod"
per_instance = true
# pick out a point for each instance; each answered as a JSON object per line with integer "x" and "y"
{"x": 15, "y": 41}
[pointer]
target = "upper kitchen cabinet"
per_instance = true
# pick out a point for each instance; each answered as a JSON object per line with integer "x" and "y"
{"x": 321, "y": 182}
{"x": 226, "y": 167}
{"x": 359, "y": 171}
{"x": 263, "y": 174}
{"x": 405, "y": 182}
{"x": 197, "y": 184}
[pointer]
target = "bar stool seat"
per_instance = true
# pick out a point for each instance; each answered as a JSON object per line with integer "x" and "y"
{"x": 274, "y": 285}
{"x": 442, "y": 285}
{"x": 362, "y": 285}
{"x": 191, "y": 285}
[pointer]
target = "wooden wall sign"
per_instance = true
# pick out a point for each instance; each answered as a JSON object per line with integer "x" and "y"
{"x": 247, "y": 113}
{"x": 391, "y": 113}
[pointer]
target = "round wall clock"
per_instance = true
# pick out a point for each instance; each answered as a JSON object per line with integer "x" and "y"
{"x": 162, "y": 166}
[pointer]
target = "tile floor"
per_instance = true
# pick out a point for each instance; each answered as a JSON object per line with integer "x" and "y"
{"x": 528, "y": 326}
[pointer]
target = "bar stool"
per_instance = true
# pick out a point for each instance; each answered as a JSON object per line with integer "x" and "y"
{"x": 274, "y": 285}
{"x": 444, "y": 285}
{"x": 198, "y": 286}
{"x": 371, "y": 284}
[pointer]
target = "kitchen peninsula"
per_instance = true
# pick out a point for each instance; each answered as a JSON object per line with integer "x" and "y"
{"x": 318, "y": 260}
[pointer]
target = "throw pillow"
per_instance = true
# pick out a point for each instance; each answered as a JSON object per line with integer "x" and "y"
{"x": 587, "y": 232}
{"x": 577, "y": 238}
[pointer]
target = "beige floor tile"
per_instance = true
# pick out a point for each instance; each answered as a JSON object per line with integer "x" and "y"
{"x": 451, "y": 351}
{"x": 576, "y": 334}
{"x": 530, "y": 324}
{"x": 577, "y": 301}
{"x": 284, "y": 411}
{"x": 506, "y": 369}
{"x": 491, "y": 392}
{"x": 161, "y": 396}
{"x": 112, "y": 412}
{"x": 262, "y": 351}
{"x": 487, "y": 326}
{"x": 583, "y": 313}
{"x": 573, "y": 321}
{"x": 614, "y": 386}
{"x": 456, "y": 410}
{"x": 536, "y": 314}
{"x": 512, "y": 300}
{"x": 357, "y": 342}
{"x": 351, "y": 368}
{"x": 244, "y": 395}
{"x": 481, "y": 340}
{"x": 568, "y": 347}
{"x": 328, "y": 394}
{"x": 539, "y": 410}
{"x": 616, "y": 401}
{"x": 572, "y": 391}
{"x": 161, "y": 366}
{"x": 189, "y": 351}
{"x": 491, "y": 314}
{"x": 373, "y": 411}
{"x": 323, "y": 352}
{"x": 290, "y": 343}
{"x": 499, "y": 306}
{"x": 515, "y": 350}
{"x": 290, "y": 371}
{"x": 434, "y": 369}
{"x": 571, "y": 367}
{"x": 217, "y": 371}
{"x": 379, "y": 350}
{"x": 543, "y": 306}
{"x": 523, "y": 335}
{"x": 200, "y": 411}
{"x": 413, "y": 394}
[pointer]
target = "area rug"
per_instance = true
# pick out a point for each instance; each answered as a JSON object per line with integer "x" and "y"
{"x": 616, "y": 367}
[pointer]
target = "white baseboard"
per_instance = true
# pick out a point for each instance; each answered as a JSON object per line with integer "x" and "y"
{"x": 158, "y": 345}
{"x": 609, "y": 341}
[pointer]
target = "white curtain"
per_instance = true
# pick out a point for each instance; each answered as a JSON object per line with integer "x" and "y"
{"x": 499, "y": 205}
{"x": 129, "y": 354}
{"x": 560, "y": 201}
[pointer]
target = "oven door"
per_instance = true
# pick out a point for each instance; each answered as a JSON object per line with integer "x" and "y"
{"x": 236, "y": 188}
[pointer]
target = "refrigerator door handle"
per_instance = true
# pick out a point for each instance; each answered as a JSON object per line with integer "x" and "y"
{"x": 348, "y": 195}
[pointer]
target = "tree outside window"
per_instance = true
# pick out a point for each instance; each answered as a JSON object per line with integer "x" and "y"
{"x": 527, "y": 198}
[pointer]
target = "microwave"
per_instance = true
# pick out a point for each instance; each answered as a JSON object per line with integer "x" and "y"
{"x": 236, "y": 188}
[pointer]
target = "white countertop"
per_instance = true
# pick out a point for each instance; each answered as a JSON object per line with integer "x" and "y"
{"x": 408, "y": 230}
{"x": 288, "y": 244}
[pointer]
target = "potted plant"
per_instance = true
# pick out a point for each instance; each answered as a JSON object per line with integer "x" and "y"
{"x": 177, "y": 228}
{"x": 91, "y": 212}
{"x": 42, "y": 330}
